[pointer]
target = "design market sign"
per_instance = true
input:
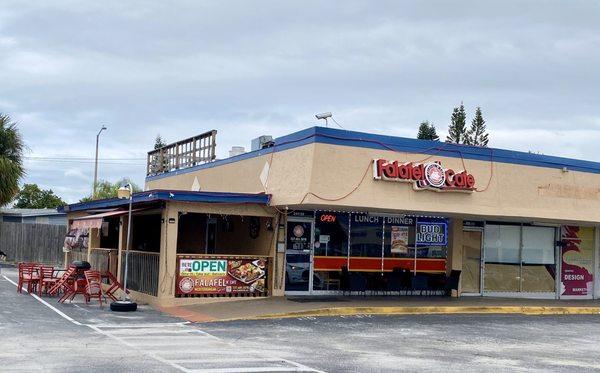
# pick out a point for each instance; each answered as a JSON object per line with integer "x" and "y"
{"x": 431, "y": 176}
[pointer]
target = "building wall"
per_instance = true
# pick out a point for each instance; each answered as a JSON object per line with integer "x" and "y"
{"x": 321, "y": 175}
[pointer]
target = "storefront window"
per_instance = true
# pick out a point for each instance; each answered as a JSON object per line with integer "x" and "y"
{"x": 502, "y": 263}
{"x": 331, "y": 234}
{"x": 519, "y": 258}
{"x": 538, "y": 268}
{"x": 366, "y": 237}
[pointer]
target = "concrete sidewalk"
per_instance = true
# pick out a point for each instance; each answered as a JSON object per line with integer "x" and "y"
{"x": 282, "y": 307}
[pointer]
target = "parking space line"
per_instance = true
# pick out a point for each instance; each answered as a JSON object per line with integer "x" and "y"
{"x": 114, "y": 332}
{"x": 56, "y": 310}
{"x": 253, "y": 369}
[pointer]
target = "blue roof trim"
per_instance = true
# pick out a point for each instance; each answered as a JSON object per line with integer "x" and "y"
{"x": 367, "y": 140}
{"x": 173, "y": 195}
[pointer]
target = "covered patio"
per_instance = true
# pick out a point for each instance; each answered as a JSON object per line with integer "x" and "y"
{"x": 183, "y": 244}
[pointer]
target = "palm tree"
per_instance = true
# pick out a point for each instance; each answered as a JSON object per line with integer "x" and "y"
{"x": 11, "y": 162}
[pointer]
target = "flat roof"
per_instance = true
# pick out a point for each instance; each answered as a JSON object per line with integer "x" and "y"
{"x": 172, "y": 195}
{"x": 335, "y": 136}
{"x": 30, "y": 212}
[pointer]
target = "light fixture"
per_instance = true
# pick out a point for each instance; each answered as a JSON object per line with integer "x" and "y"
{"x": 324, "y": 116}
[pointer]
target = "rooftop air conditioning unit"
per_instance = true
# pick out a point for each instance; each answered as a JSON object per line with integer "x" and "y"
{"x": 262, "y": 142}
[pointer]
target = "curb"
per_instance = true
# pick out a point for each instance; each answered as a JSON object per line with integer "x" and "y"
{"x": 426, "y": 310}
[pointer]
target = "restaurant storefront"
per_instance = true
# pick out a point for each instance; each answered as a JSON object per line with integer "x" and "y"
{"x": 326, "y": 211}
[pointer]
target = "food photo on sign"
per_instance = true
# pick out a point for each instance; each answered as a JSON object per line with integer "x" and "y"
{"x": 221, "y": 276}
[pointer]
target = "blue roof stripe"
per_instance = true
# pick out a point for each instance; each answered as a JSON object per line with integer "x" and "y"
{"x": 173, "y": 195}
{"x": 367, "y": 140}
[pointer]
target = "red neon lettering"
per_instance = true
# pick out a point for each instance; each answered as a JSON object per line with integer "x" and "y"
{"x": 328, "y": 218}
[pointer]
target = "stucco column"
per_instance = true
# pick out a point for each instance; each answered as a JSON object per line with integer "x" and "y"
{"x": 168, "y": 253}
{"x": 455, "y": 249}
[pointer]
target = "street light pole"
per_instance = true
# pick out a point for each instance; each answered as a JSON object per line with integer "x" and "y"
{"x": 96, "y": 163}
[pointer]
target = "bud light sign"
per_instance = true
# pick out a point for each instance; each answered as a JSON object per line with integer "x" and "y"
{"x": 432, "y": 233}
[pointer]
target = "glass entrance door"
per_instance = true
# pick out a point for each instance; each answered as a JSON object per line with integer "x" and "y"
{"x": 471, "y": 262}
{"x": 299, "y": 246}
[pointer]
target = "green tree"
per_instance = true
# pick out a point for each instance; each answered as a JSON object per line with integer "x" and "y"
{"x": 32, "y": 197}
{"x": 11, "y": 162}
{"x": 106, "y": 189}
{"x": 427, "y": 131}
{"x": 159, "y": 143}
{"x": 457, "y": 131}
{"x": 477, "y": 135}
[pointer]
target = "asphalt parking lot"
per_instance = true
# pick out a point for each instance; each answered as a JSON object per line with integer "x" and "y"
{"x": 36, "y": 337}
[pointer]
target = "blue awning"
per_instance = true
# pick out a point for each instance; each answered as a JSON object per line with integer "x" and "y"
{"x": 172, "y": 195}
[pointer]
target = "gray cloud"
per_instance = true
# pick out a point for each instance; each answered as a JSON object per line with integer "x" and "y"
{"x": 249, "y": 68}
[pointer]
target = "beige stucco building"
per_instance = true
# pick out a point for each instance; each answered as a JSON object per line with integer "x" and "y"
{"x": 323, "y": 211}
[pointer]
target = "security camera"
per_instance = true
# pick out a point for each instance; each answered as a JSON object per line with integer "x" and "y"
{"x": 323, "y": 115}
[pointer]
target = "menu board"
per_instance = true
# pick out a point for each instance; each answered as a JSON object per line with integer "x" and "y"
{"x": 221, "y": 275}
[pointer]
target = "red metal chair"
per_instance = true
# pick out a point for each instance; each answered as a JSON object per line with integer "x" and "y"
{"x": 28, "y": 274}
{"x": 93, "y": 288}
{"x": 114, "y": 285}
{"x": 65, "y": 283}
{"x": 47, "y": 279}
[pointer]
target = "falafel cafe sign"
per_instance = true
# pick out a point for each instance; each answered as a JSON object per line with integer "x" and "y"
{"x": 221, "y": 275}
{"x": 424, "y": 176}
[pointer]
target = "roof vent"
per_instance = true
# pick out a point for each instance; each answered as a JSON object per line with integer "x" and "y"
{"x": 236, "y": 150}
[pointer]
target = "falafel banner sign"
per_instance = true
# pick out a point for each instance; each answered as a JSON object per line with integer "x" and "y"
{"x": 425, "y": 176}
{"x": 216, "y": 275}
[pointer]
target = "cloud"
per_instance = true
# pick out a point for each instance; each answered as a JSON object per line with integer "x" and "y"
{"x": 251, "y": 68}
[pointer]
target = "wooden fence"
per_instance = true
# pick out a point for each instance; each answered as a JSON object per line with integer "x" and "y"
{"x": 41, "y": 243}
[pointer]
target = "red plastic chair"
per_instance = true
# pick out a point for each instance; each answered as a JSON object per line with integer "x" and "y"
{"x": 28, "y": 274}
{"x": 47, "y": 279}
{"x": 93, "y": 288}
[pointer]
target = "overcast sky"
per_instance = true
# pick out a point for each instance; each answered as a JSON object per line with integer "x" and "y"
{"x": 248, "y": 68}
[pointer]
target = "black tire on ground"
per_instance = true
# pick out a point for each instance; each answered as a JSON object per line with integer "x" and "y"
{"x": 123, "y": 306}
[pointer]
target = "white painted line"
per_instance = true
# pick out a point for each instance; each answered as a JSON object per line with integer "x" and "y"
{"x": 173, "y": 363}
{"x": 253, "y": 369}
{"x": 59, "y": 312}
{"x": 229, "y": 360}
{"x": 125, "y": 326}
{"x": 144, "y": 352}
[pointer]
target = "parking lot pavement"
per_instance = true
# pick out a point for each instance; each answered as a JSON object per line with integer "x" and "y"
{"x": 35, "y": 337}
{"x": 73, "y": 337}
{"x": 426, "y": 343}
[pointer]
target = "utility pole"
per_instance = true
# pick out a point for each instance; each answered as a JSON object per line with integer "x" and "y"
{"x": 96, "y": 164}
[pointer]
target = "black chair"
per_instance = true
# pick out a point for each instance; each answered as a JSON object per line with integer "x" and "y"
{"x": 406, "y": 281}
{"x": 452, "y": 281}
{"x": 345, "y": 280}
{"x": 420, "y": 283}
{"x": 394, "y": 282}
{"x": 358, "y": 283}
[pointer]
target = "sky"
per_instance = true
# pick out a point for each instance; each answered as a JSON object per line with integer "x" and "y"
{"x": 250, "y": 68}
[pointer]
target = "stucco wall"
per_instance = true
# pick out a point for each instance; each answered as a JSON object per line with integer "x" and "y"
{"x": 332, "y": 171}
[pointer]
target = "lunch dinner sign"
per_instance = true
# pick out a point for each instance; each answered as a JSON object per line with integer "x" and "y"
{"x": 221, "y": 276}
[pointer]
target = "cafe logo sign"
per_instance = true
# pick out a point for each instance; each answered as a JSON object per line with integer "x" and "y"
{"x": 431, "y": 176}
